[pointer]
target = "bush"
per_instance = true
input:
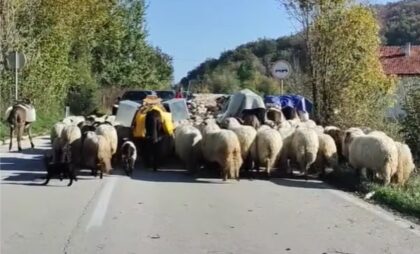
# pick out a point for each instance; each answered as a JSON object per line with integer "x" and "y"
{"x": 83, "y": 100}
{"x": 411, "y": 123}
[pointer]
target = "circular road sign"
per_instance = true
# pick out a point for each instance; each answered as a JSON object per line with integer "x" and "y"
{"x": 281, "y": 69}
{"x": 16, "y": 60}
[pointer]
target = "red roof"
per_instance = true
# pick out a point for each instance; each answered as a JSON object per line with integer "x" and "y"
{"x": 394, "y": 61}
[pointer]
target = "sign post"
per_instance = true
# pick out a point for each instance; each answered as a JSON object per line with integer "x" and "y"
{"x": 16, "y": 61}
{"x": 281, "y": 70}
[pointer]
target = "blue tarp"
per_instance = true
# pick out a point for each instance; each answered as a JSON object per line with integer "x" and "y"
{"x": 293, "y": 101}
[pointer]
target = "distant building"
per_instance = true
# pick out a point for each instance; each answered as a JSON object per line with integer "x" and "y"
{"x": 403, "y": 62}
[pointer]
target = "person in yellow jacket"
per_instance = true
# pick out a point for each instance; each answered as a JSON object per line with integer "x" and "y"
{"x": 139, "y": 125}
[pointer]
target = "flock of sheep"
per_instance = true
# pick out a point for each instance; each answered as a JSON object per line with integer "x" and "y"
{"x": 286, "y": 144}
{"x": 98, "y": 143}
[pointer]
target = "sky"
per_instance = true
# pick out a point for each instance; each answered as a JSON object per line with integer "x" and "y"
{"x": 191, "y": 31}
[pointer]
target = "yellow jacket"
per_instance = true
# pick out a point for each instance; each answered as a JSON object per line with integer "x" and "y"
{"x": 139, "y": 128}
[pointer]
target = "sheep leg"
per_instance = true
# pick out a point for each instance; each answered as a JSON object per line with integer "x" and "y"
{"x": 29, "y": 131}
{"x": 19, "y": 137}
{"x": 70, "y": 182}
{"x": 11, "y": 138}
{"x": 268, "y": 168}
{"x": 237, "y": 175}
{"x": 387, "y": 176}
{"x": 47, "y": 180}
{"x": 225, "y": 175}
{"x": 305, "y": 171}
{"x": 100, "y": 174}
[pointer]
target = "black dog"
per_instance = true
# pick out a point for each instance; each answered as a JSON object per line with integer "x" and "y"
{"x": 58, "y": 169}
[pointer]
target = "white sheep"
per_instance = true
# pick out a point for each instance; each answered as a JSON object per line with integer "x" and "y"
{"x": 264, "y": 127}
{"x": 266, "y": 148}
{"x": 347, "y": 137}
{"x": 110, "y": 133}
{"x": 111, "y": 119}
{"x": 56, "y": 130}
{"x": 335, "y": 133}
{"x": 405, "y": 163}
{"x": 90, "y": 151}
{"x": 285, "y": 153}
{"x": 294, "y": 122}
{"x": 128, "y": 156}
{"x": 375, "y": 152}
{"x": 73, "y": 120}
{"x": 188, "y": 145}
{"x": 104, "y": 155}
{"x": 305, "y": 145}
{"x": 70, "y": 141}
{"x": 246, "y": 135}
{"x": 319, "y": 129}
{"x": 223, "y": 147}
{"x": 309, "y": 123}
{"x": 327, "y": 153}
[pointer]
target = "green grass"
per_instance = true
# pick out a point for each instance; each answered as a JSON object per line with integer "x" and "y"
{"x": 42, "y": 125}
{"x": 403, "y": 199}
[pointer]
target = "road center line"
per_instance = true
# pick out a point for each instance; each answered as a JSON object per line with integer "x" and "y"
{"x": 99, "y": 213}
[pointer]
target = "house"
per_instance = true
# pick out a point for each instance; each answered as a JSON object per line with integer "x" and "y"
{"x": 404, "y": 63}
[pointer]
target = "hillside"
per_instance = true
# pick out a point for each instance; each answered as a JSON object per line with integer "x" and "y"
{"x": 248, "y": 66}
{"x": 400, "y": 22}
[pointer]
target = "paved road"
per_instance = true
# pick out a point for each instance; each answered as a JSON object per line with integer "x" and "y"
{"x": 169, "y": 212}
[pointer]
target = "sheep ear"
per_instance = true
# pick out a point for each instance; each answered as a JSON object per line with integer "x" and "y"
{"x": 240, "y": 120}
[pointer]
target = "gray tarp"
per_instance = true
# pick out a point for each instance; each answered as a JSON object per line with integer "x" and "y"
{"x": 178, "y": 108}
{"x": 244, "y": 99}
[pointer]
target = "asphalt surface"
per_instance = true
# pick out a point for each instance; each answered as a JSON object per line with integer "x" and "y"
{"x": 170, "y": 212}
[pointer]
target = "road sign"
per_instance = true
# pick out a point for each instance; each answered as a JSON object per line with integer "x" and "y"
{"x": 16, "y": 60}
{"x": 281, "y": 69}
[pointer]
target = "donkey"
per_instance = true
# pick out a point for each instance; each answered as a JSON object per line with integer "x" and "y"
{"x": 153, "y": 144}
{"x": 17, "y": 122}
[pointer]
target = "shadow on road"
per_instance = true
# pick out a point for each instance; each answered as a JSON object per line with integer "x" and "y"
{"x": 299, "y": 182}
{"x": 22, "y": 164}
{"x": 175, "y": 174}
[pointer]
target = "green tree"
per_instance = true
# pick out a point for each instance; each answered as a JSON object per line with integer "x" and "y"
{"x": 344, "y": 44}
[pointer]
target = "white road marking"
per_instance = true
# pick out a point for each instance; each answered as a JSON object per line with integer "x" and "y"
{"x": 99, "y": 213}
{"x": 378, "y": 211}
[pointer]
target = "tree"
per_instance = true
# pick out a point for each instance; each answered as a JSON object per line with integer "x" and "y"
{"x": 306, "y": 12}
{"x": 344, "y": 44}
{"x": 75, "y": 48}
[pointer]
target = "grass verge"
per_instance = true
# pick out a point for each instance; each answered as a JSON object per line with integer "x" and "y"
{"x": 42, "y": 125}
{"x": 405, "y": 200}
